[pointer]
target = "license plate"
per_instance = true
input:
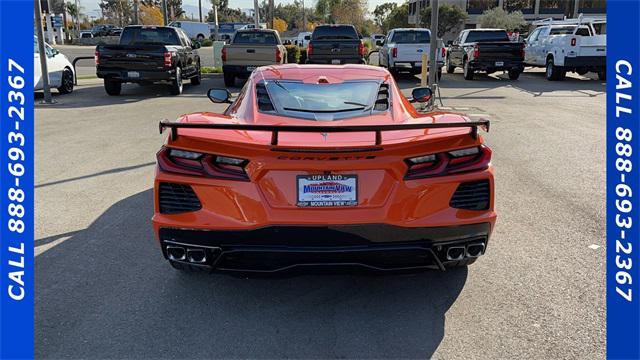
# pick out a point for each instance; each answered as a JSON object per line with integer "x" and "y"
{"x": 133, "y": 74}
{"x": 335, "y": 62}
{"x": 327, "y": 190}
{"x": 251, "y": 68}
{"x": 499, "y": 63}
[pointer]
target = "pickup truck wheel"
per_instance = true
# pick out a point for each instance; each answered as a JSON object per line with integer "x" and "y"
{"x": 229, "y": 79}
{"x": 514, "y": 74}
{"x": 468, "y": 71}
{"x": 439, "y": 74}
{"x": 553, "y": 72}
{"x": 112, "y": 87}
{"x": 176, "y": 84}
{"x": 66, "y": 86}
{"x": 450, "y": 68}
{"x": 602, "y": 75}
{"x": 197, "y": 78}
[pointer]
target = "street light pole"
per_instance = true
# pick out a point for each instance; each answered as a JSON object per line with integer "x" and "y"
{"x": 256, "y": 13}
{"x": 43, "y": 54}
{"x": 165, "y": 16}
{"x": 433, "y": 48}
{"x": 200, "y": 9}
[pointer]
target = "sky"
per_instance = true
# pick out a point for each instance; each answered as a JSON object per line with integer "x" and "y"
{"x": 191, "y": 6}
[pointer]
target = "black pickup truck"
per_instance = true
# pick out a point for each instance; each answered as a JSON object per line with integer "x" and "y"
{"x": 149, "y": 54}
{"x": 488, "y": 50}
{"x": 335, "y": 44}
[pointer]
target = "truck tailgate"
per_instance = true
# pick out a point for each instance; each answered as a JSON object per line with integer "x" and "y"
{"x": 500, "y": 50}
{"x": 132, "y": 57}
{"x": 411, "y": 52}
{"x": 591, "y": 45}
{"x": 333, "y": 49}
{"x": 250, "y": 54}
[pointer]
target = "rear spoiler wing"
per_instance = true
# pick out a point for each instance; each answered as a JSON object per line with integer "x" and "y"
{"x": 275, "y": 129}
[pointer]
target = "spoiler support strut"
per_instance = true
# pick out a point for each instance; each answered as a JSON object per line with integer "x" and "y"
{"x": 276, "y": 129}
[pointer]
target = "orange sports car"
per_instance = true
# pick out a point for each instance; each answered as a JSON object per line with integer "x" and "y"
{"x": 321, "y": 165}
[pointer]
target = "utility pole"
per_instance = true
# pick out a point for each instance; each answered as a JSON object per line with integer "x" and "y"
{"x": 200, "y": 9}
{"x": 433, "y": 48}
{"x": 135, "y": 12}
{"x": 43, "y": 55}
{"x": 165, "y": 16}
{"x": 77, "y": 19}
{"x": 215, "y": 21}
{"x": 271, "y": 14}
{"x": 304, "y": 17}
{"x": 256, "y": 13}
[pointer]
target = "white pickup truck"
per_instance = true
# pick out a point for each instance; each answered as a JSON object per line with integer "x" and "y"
{"x": 402, "y": 50}
{"x": 569, "y": 45}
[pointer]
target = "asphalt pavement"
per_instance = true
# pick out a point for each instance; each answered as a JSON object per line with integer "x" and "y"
{"x": 103, "y": 289}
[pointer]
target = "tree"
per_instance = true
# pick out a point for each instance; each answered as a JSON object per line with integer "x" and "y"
{"x": 280, "y": 25}
{"x": 398, "y": 18}
{"x": 449, "y": 18}
{"x": 174, "y": 7}
{"x": 382, "y": 12}
{"x": 118, "y": 11}
{"x": 225, "y": 14}
{"x": 150, "y": 15}
{"x": 498, "y": 18}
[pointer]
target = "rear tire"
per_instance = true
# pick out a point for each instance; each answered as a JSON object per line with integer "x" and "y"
{"x": 229, "y": 79}
{"x": 553, "y": 73}
{"x": 66, "y": 86}
{"x": 468, "y": 71}
{"x": 450, "y": 68}
{"x": 176, "y": 85}
{"x": 439, "y": 74}
{"x": 514, "y": 74}
{"x": 200, "y": 37}
{"x": 112, "y": 87}
{"x": 197, "y": 79}
{"x": 602, "y": 75}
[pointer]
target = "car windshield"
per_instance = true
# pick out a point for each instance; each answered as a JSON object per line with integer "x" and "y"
{"x": 411, "y": 37}
{"x": 565, "y": 30}
{"x": 150, "y": 35}
{"x": 296, "y": 96}
{"x": 487, "y": 36}
{"x": 343, "y": 32}
{"x": 255, "y": 37}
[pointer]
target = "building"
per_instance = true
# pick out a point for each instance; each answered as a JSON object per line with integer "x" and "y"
{"x": 532, "y": 9}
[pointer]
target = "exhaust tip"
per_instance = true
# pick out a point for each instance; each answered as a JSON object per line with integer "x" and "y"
{"x": 455, "y": 253}
{"x": 197, "y": 256}
{"x": 176, "y": 253}
{"x": 475, "y": 250}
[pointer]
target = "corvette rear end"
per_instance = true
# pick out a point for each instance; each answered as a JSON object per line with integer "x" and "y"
{"x": 323, "y": 166}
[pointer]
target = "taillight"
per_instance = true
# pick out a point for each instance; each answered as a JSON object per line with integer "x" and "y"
{"x": 451, "y": 162}
{"x": 394, "y": 52}
{"x": 443, "y": 52}
{"x": 361, "y": 49}
{"x": 573, "y": 41}
{"x": 97, "y": 57}
{"x": 278, "y": 56}
{"x": 167, "y": 59}
{"x": 224, "y": 54}
{"x": 476, "y": 51}
{"x": 309, "y": 49}
{"x": 199, "y": 164}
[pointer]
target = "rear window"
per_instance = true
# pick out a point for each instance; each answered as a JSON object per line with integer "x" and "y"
{"x": 340, "y": 32}
{"x": 565, "y": 30}
{"x": 150, "y": 35}
{"x": 255, "y": 37}
{"x": 487, "y": 36}
{"x": 329, "y": 101}
{"x": 411, "y": 37}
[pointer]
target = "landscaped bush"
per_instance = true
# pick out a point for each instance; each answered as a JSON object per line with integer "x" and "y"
{"x": 206, "y": 42}
{"x": 293, "y": 54}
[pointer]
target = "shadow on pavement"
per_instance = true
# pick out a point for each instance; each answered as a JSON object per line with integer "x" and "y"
{"x": 94, "y": 95}
{"x": 106, "y": 292}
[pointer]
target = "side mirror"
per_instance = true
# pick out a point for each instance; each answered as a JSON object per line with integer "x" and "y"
{"x": 450, "y": 42}
{"x": 421, "y": 95}
{"x": 219, "y": 96}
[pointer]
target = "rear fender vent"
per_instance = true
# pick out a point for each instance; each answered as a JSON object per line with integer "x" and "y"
{"x": 382, "y": 100}
{"x": 177, "y": 198}
{"x": 262, "y": 96}
{"x": 471, "y": 196}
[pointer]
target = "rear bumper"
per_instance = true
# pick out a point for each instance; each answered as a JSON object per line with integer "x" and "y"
{"x": 414, "y": 66}
{"x": 376, "y": 247}
{"x": 494, "y": 65}
{"x": 143, "y": 75}
{"x": 239, "y": 70}
{"x": 592, "y": 62}
{"x": 329, "y": 61}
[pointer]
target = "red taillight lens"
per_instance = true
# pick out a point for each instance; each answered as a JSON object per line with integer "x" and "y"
{"x": 361, "y": 49}
{"x": 451, "y": 162}
{"x": 167, "y": 59}
{"x": 197, "y": 164}
{"x": 278, "y": 55}
{"x": 224, "y": 54}
{"x": 309, "y": 49}
{"x": 394, "y": 52}
{"x": 476, "y": 51}
{"x": 573, "y": 41}
{"x": 443, "y": 52}
{"x": 97, "y": 57}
